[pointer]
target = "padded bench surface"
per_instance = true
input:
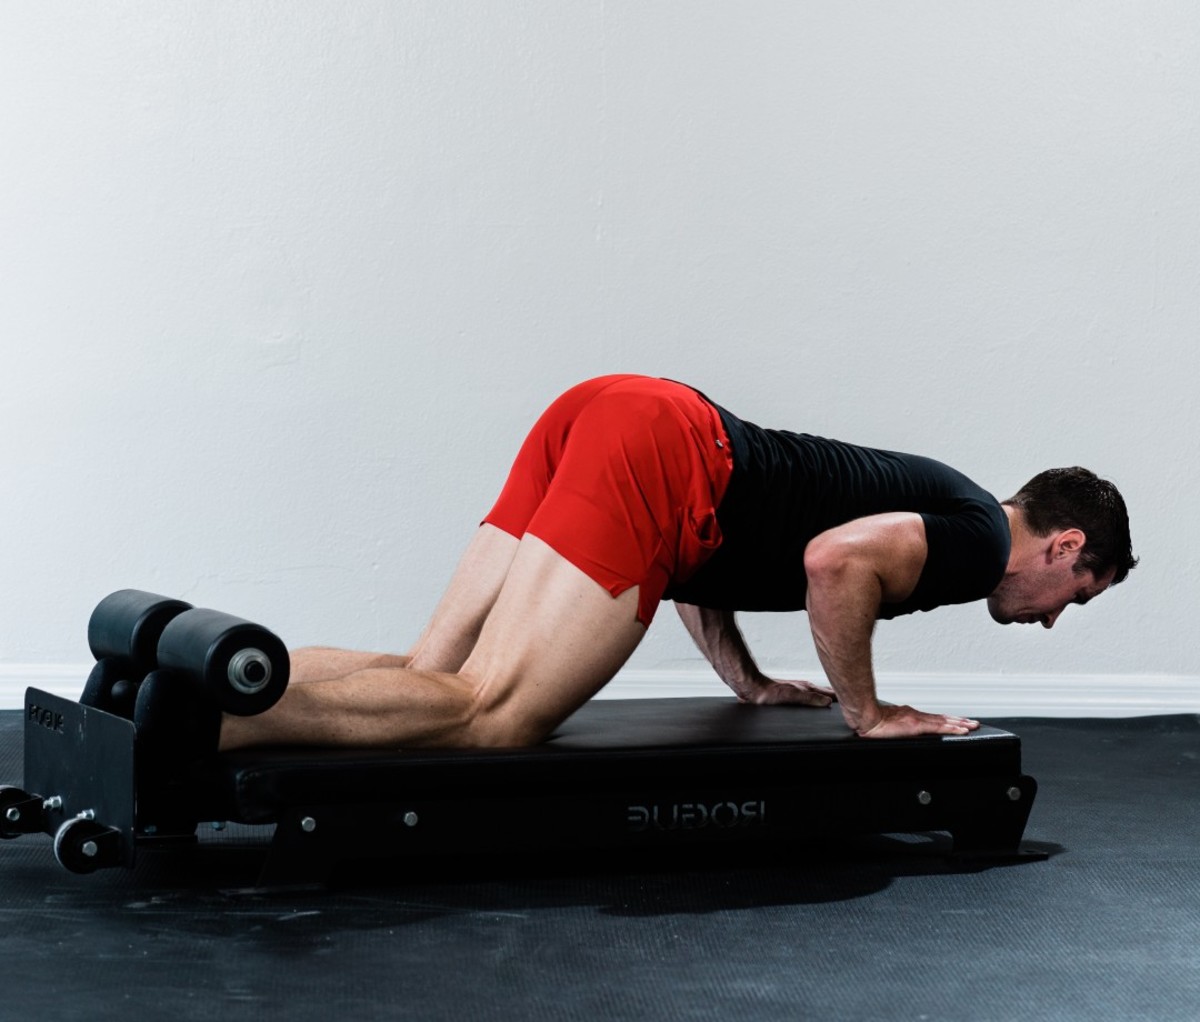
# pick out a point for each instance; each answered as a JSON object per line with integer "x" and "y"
{"x": 606, "y": 745}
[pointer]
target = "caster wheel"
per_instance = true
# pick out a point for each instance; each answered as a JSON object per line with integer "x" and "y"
{"x": 9, "y": 796}
{"x": 20, "y": 813}
{"x": 84, "y": 846}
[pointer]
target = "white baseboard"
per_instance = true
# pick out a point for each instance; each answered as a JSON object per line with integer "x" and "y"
{"x": 58, "y": 679}
{"x": 978, "y": 695}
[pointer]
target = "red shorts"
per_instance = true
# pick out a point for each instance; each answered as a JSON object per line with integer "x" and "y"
{"x": 622, "y": 476}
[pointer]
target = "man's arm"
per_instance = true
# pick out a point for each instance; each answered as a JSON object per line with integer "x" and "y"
{"x": 852, "y": 570}
{"x": 716, "y": 633}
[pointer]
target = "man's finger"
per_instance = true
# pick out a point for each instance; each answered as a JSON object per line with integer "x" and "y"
{"x": 800, "y": 692}
{"x": 804, "y": 696}
{"x": 810, "y": 697}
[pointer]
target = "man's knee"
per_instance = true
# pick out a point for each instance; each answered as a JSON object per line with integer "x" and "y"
{"x": 499, "y": 727}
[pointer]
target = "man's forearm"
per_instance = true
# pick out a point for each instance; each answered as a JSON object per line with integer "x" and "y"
{"x": 842, "y": 618}
{"x": 716, "y": 634}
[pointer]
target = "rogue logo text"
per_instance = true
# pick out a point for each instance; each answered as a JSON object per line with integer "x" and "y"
{"x": 49, "y": 719}
{"x": 695, "y": 815}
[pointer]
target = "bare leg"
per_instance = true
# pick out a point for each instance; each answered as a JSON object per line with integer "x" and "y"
{"x": 450, "y": 635}
{"x": 553, "y": 638}
{"x": 323, "y": 663}
{"x": 452, "y": 631}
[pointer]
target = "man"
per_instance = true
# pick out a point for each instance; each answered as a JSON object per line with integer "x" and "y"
{"x": 629, "y": 490}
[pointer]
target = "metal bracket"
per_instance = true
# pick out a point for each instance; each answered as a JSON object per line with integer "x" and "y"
{"x": 82, "y": 759}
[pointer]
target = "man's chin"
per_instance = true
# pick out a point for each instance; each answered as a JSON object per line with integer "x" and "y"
{"x": 999, "y": 616}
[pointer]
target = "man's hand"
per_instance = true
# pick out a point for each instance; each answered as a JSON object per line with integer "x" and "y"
{"x": 773, "y": 692}
{"x": 905, "y": 722}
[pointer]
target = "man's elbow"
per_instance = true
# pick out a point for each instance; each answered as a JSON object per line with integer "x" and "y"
{"x": 826, "y": 560}
{"x": 838, "y": 571}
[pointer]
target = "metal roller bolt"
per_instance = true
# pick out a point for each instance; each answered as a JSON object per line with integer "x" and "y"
{"x": 249, "y": 671}
{"x": 411, "y": 819}
{"x": 1014, "y": 794}
{"x": 89, "y": 849}
{"x": 308, "y": 825}
{"x": 53, "y": 802}
{"x": 924, "y": 797}
{"x": 13, "y": 815}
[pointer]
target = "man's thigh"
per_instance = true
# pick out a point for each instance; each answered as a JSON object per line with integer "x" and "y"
{"x": 552, "y": 640}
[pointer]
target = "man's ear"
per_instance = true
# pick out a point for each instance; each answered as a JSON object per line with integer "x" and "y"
{"x": 1067, "y": 543}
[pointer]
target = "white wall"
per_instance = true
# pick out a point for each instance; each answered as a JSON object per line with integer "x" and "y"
{"x": 283, "y": 284}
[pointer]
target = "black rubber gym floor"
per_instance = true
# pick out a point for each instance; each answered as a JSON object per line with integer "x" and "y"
{"x": 1107, "y": 928}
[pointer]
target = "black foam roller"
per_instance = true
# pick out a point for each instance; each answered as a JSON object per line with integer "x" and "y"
{"x": 127, "y": 625}
{"x": 239, "y": 666}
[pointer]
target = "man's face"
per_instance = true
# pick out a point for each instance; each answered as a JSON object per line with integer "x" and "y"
{"x": 1038, "y": 595}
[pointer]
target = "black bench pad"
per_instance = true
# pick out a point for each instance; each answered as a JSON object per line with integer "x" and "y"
{"x": 619, "y": 746}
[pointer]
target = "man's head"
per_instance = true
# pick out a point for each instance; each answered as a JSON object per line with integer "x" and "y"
{"x": 1071, "y": 542}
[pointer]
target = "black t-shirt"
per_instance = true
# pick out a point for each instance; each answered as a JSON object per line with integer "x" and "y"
{"x": 787, "y": 488}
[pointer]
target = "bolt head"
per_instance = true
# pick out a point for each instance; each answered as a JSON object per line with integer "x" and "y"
{"x": 1014, "y": 794}
{"x": 13, "y": 815}
{"x": 924, "y": 798}
{"x": 308, "y": 825}
{"x": 411, "y": 819}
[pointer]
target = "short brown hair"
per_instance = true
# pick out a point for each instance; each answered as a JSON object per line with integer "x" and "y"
{"x": 1075, "y": 498}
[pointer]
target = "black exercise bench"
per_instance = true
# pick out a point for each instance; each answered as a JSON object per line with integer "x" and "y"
{"x": 619, "y": 774}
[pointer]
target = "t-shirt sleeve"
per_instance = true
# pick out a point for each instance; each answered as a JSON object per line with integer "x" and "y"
{"x": 968, "y": 554}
